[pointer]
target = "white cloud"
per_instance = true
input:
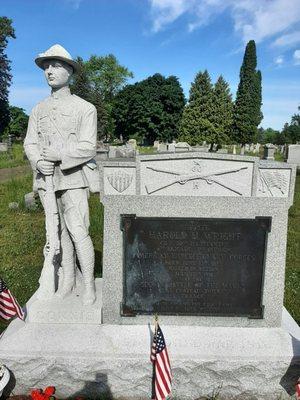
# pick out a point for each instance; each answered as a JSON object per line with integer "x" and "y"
{"x": 296, "y": 57}
{"x": 287, "y": 40}
{"x": 252, "y": 19}
{"x": 279, "y": 60}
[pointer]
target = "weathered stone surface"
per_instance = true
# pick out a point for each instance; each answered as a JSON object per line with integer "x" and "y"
{"x": 69, "y": 310}
{"x": 269, "y": 151}
{"x": 3, "y": 147}
{"x": 30, "y": 202}
{"x": 249, "y": 363}
{"x": 294, "y": 154}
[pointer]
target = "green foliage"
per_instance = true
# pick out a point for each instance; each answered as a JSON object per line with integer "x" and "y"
{"x": 98, "y": 81}
{"x": 195, "y": 129}
{"x": 197, "y": 119}
{"x": 291, "y": 132}
{"x": 6, "y": 32}
{"x": 81, "y": 84}
{"x": 268, "y": 135}
{"x": 107, "y": 75}
{"x": 201, "y": 94}
{"x": 208, "y": 115}
{"x": 247, "y": 110}
{"x": 149, "y": 110}
{"x": 223, "y": 110}
{"x": 292, "y": 277}
{"x": 18, "y": 121}
{"x": 14, "y": 159}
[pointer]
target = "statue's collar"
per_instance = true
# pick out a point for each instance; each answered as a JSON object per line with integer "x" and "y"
{"x": 61, "y": 93}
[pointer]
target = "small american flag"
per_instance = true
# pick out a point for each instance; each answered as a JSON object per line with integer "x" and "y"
{"x": 161, "y": 367}
{"x": 9, "y": 307}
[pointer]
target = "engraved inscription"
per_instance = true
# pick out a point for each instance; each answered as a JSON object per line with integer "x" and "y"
{"x": 195, "y": 174}
{"x": 193, "y": 266}
{"x": 273, "y": 183}
{"x": 120, "y": 180}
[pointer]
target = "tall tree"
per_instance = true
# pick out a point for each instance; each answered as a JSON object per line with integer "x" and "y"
{"x": 197, "y": 122}
{"x": 81, "y": 84}
{"x": 291, "y": 132}
{"x": 150, "y": 109}
{"x": 107, "y": 75}
{"x": 18, "y": 121}
{"x": 6, "y": 32}
{"x": 223, "y": 110}
{"x": 247, "y": 110}
{"x": 98, "y": 81}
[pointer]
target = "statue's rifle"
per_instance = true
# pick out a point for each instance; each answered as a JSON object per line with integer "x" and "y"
{"x": 52, "y": 247}
{"x": 183, "y": 179}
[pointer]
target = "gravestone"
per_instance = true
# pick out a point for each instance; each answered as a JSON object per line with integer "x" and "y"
{"x": 132, "y": 143}
{"x": 112, "y": 151}
{"x": 162, "y": 147}
{"x": 294, "y": 154}
{"x": 269, "y": 151}
{"x": 172, "y": 147}
{"x": 222, "y": 151}
{"x": 3, "y": 147}
{"x": 182, "y": 147}
{"x": 156, "y": 144}
{"x": 200, "y": 238}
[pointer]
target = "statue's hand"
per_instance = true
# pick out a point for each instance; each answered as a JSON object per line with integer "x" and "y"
{"x": 51, "y": 154}
{"x": 45, "y": 167}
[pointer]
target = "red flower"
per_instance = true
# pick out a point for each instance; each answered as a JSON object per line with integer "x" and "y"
{"x": 38, "y": 394}
{"x": 49, "y": 391}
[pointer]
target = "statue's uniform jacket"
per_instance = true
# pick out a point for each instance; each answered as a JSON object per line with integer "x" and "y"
{"x": 69, "y": 124}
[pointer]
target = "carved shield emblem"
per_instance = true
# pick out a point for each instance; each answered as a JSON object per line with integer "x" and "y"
{"x": 120, "y": 181}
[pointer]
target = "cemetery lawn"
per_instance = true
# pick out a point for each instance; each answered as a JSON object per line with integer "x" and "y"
{"x": 22, "y": 237}
{"x": 14, "y": 159}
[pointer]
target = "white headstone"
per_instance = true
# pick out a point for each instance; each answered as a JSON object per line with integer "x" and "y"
{"x": 294, "y": 154}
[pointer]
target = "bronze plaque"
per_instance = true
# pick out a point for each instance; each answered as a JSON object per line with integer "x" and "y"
{"x": 194, "y": 266}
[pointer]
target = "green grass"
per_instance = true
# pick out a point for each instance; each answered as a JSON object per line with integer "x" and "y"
{"x": 14, "y": 159}
{"x": 147, "y": 150}
{"x": 22, "y": 237}
{"x": 292, "y": 278}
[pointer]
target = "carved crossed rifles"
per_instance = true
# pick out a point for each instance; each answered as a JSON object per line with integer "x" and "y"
{"x": 183, "y": 179}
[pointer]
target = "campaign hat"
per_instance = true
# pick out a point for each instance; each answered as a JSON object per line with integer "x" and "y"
{"x": 56, "y": 52}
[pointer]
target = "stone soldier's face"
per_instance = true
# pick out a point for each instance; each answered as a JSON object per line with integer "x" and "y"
{"x": 58, "y": 73}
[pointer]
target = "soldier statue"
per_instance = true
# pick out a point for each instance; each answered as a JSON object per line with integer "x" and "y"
{"x": 61, "y": 143}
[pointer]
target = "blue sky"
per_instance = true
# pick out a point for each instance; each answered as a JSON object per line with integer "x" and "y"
{"x": 172, "y": 37}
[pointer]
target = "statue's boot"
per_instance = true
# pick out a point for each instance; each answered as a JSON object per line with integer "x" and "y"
{"x": 86, "y": 257}
{"x": 67, "y": 272}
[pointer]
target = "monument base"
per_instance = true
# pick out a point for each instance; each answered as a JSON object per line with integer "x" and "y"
{"x": 69, "y": 310}
{"x": 89, "y": 359}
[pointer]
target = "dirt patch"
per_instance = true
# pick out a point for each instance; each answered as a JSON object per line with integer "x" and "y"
{"x": 9, "y": 173}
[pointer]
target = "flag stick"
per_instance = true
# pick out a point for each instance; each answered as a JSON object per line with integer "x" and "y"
{"x": 155, "y": 323}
